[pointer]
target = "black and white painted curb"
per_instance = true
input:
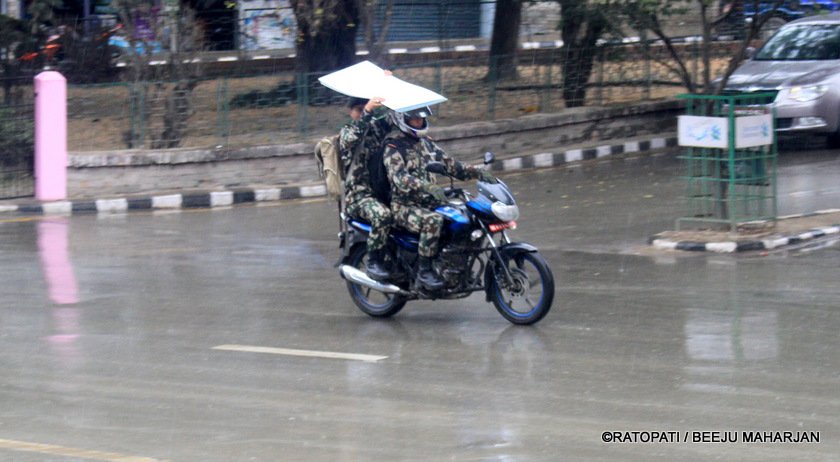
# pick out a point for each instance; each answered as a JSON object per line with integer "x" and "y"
{"x": 556, "y": 159}
{"x": 750, "y": 245}
{"x": 213, "y": 199}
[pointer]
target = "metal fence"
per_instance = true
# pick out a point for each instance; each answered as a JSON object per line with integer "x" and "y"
{"x": 282, "y": 107}
{"x": 16, "y": 138}
{"x": 732, "y": 186}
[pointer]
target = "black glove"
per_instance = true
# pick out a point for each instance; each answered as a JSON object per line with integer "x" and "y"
{"x": 436, "y": 192}
{"x": 486, "y": 177}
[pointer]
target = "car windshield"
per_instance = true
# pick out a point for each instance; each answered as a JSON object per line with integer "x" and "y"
{"x": 805, "y": 42}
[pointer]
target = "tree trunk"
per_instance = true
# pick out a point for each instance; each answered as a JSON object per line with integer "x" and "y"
{"x": 326, "y": 41}
{"x": 505, "y": 41}
{"x": 580, "y": 28}
{"x": 376, "y": 42}
{"x": 326, "y": 34}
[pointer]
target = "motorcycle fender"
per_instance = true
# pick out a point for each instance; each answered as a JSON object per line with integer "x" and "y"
{"x": 515, "y": 248}
{"x": 347, "y": 242}
{"x": 507, "y": 252}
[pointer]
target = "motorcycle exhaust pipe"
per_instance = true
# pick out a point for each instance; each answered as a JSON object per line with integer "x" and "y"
{"x": 359, "y": 277}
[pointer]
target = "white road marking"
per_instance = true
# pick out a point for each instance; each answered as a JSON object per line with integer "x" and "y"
{"x": 305, "y": 353}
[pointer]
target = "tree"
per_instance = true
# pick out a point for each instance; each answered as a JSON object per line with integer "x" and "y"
{"x": 375, "y": 42}
{"x": 24, "y": 37}
{"x": 649, "y": 14}
{"x": 160, "y": 91}
{"x": 504, "y": 43}
{"x": 12, "y": 33}
{"x": 326, "y": 34}
{"x": 582, "y": 23}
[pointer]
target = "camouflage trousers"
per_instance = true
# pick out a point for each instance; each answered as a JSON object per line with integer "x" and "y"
{"x": 422, "y": 221}
{"x": 371, "y": 210}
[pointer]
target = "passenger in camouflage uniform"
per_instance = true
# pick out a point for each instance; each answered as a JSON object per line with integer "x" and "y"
{"x": 365, "y": 134}
{"x": 414, "y": 193}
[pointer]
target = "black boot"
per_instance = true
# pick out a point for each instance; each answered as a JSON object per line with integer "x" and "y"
{"x": 375, "y": 266}
{"x": 426, "y": 275}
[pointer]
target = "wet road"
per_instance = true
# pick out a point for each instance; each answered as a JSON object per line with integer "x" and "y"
{"x": 131, "y": 336}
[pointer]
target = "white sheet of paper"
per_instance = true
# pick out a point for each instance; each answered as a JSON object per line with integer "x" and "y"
{"x": 367, "y": 80}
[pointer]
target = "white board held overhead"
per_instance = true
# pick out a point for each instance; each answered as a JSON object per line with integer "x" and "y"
{"x": 367, "y": 80}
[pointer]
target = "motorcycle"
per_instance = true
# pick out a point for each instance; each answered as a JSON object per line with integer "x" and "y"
{"x": 475, "y": 254}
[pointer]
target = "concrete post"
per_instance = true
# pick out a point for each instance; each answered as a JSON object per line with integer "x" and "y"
{"x": 50, "y": 136}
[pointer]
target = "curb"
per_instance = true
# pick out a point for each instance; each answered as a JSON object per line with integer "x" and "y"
{"x": 556, "y": 159}
{"x": 751, "y": 245}
{"x": 193, "y": 200}
{"x": 227, "y": 198}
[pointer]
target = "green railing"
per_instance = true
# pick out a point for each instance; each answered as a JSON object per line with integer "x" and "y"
{"x": 733, "y": 185}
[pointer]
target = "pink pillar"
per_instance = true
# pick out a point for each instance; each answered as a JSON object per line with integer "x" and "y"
{"x": 50, "y": 136}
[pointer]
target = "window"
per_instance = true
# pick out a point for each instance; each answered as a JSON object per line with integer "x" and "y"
{"x": 806, "y": 42}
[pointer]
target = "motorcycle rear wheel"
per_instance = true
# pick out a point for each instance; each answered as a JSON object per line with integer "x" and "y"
{"x": 372, "y": 302}
{"x": 529, "y": 298}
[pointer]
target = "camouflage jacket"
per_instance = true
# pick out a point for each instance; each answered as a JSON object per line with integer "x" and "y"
{"x": 369, "y": 131}
{"x": 406, "y": 157}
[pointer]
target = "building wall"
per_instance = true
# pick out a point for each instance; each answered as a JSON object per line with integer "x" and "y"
{"x": 418, "y": 20}
{"x": 11, "y": 8}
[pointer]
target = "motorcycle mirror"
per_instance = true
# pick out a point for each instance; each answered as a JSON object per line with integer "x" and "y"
{"x": 489, "y": 157}
{"x": 436, "y": 167}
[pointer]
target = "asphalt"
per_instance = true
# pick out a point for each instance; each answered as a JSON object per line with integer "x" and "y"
{"x": 788, "y": 231}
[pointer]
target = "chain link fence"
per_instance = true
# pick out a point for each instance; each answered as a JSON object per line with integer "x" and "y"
{"x": 17, "y": 134}
{"x": 283, "y": 107}
{"x": 253, "y": 102}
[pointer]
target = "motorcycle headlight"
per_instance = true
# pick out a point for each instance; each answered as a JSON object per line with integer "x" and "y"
{"x": 505, "y": 212}
{"x": 804, "y": 94}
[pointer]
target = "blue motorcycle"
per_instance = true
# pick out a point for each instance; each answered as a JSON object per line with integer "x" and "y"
{"x": 475, "y": 254}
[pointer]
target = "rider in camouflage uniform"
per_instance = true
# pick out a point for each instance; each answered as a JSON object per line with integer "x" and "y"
{"x": 365, "y": 134}
{"x": 414, "y": 193}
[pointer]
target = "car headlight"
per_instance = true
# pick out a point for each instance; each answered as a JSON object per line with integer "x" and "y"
{"x": 804, "y": 93}
{"x": 505, "y": 212}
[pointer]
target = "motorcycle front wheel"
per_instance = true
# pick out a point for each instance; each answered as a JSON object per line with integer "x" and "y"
{"x": 372, "y": 302}
{"x": 529, "y": 297}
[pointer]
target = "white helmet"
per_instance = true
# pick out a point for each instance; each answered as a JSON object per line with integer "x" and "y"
{"x": 400, "y": 119}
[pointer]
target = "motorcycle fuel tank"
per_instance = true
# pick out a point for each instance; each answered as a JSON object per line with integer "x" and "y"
{"x": 457, "y": 221}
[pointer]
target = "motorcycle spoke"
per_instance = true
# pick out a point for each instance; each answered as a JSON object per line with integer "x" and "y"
{"x": 531, "y": 304}
{"x": 528, "y": 293}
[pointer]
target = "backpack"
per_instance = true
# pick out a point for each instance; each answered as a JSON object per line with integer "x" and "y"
{"x": 328, "y": 157}
{"x": 379, "y": 182}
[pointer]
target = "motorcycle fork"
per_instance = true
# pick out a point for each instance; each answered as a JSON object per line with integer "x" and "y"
{"x": 494, "y": 249}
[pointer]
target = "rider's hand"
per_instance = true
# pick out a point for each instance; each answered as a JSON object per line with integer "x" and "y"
{"x": 436, "y": 192}
{"x": 373, "y": 104}
{"x": 486, "y": 177}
